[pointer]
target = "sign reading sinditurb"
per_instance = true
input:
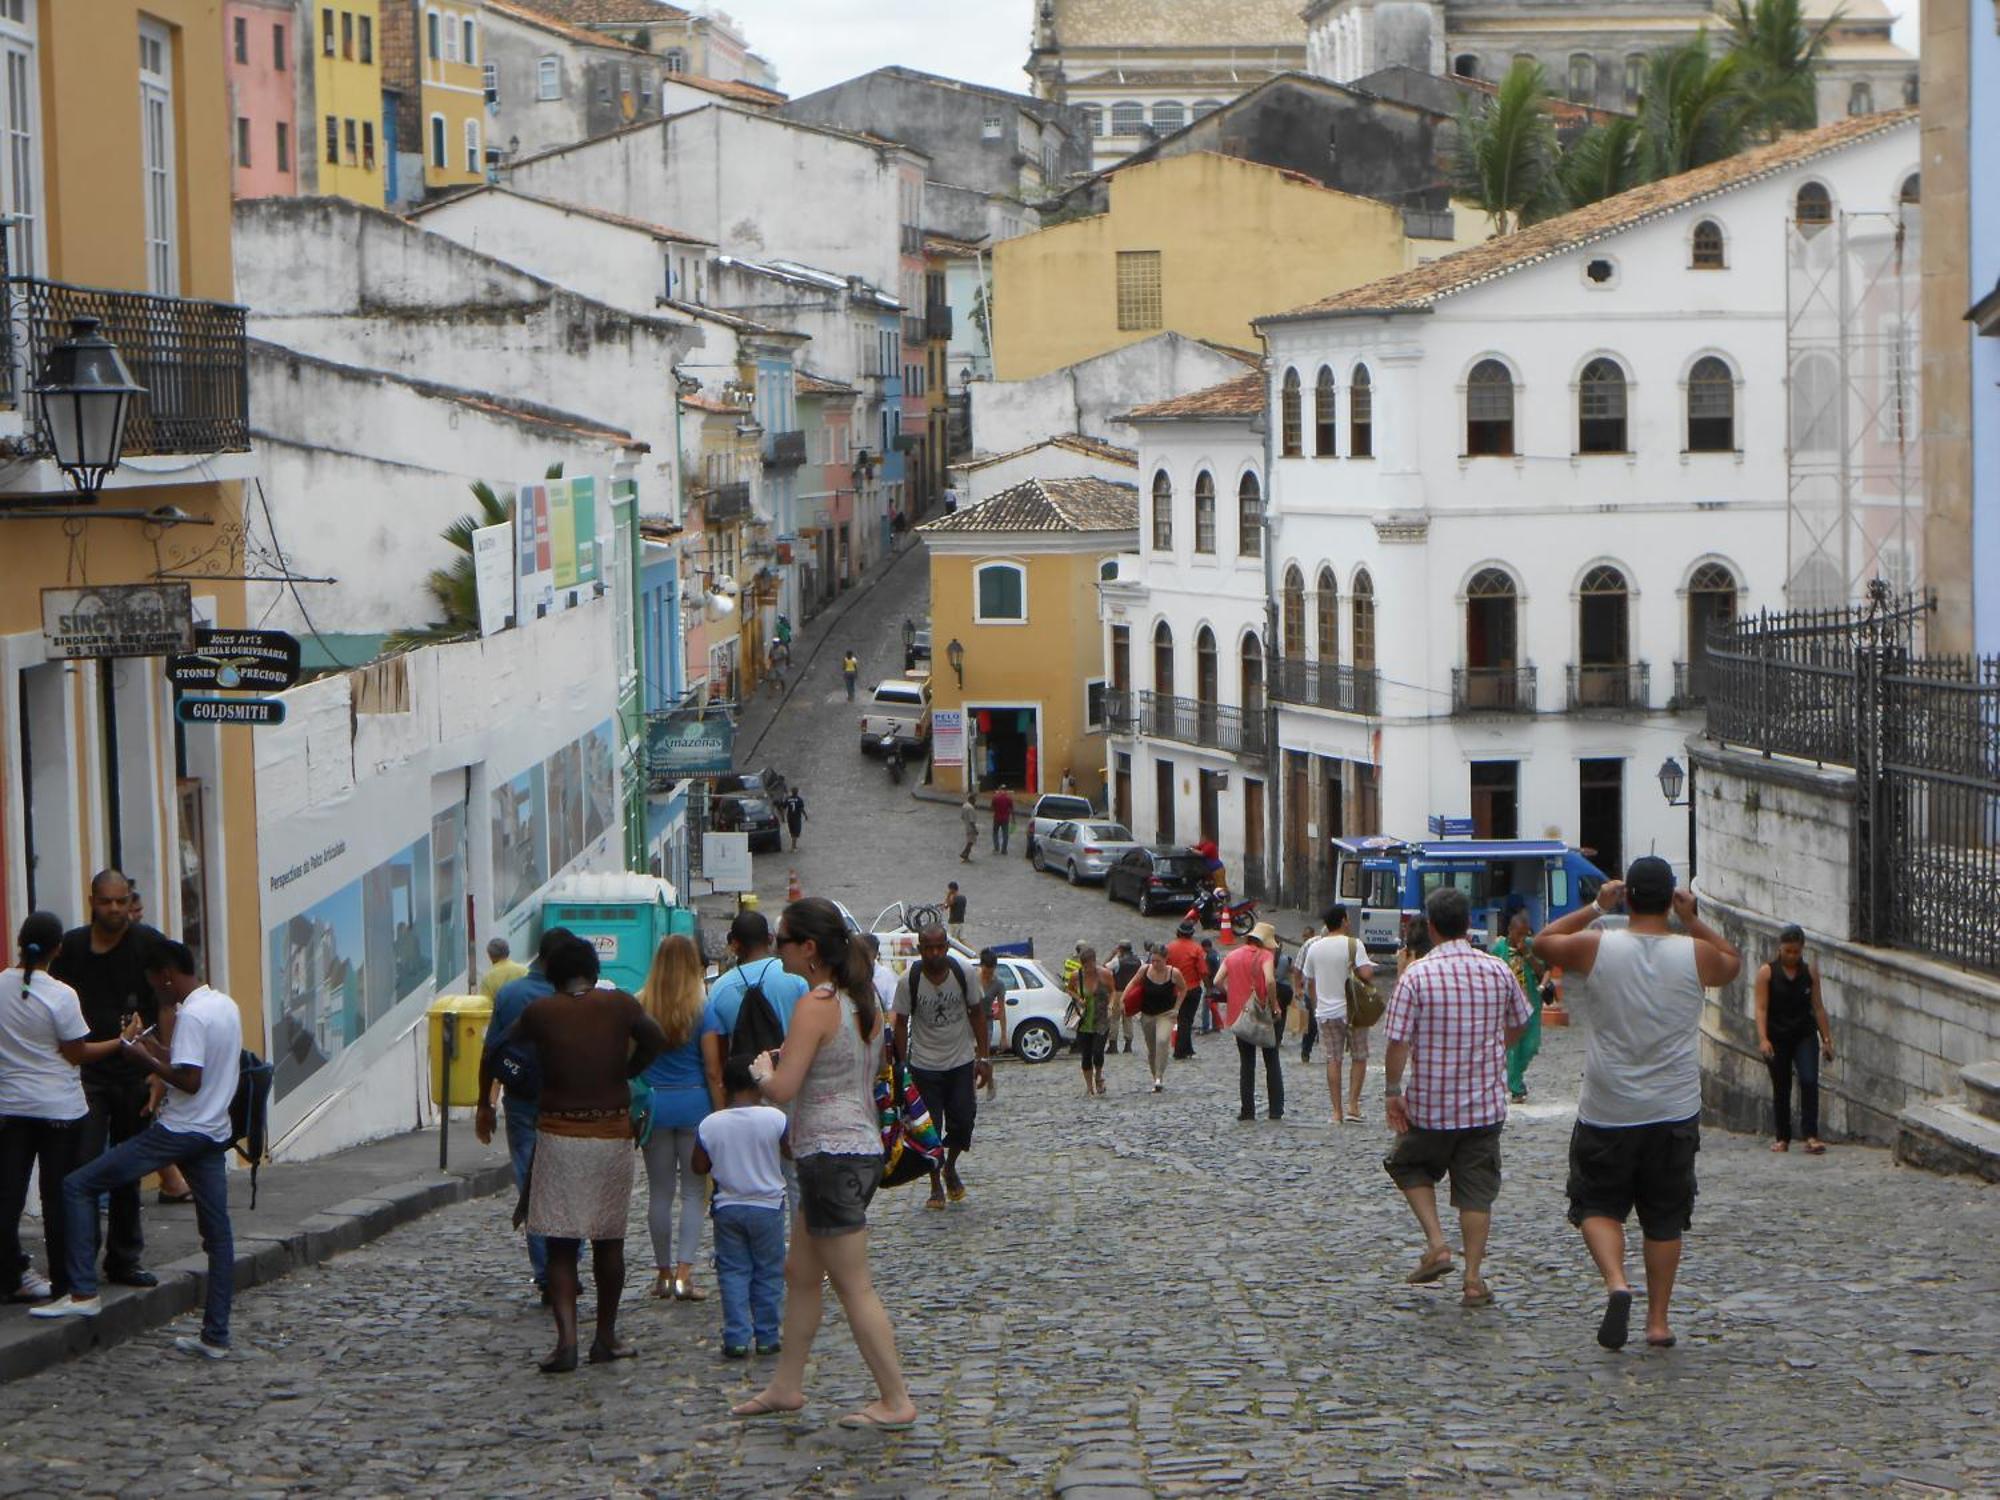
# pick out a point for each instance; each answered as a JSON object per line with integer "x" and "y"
{"x": 257, "y": 712}
{"x": 118, "y": 620}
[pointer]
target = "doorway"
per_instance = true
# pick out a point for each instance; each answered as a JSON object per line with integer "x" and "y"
{"x": 1005, "y": 746}
{"x": 1211, "y": 807}
{"x": 1600, "y": 813}
{"x": 1163, "y": 801}
{"x": 1298, "y": 807}
{"x": 1496, "y": 799}
{"x": 1121, "y": 789}
{"x": 1367, "y": 801}
{"x": 1253, "y": 838}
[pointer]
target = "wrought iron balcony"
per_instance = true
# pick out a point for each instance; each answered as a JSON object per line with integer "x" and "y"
{"x": 1314, "y": 684}
{"x": 726, "y": 502}
{"x": 1192, "y": 721}
{"x": 1507, "y": 690}
{"x": 190, "y": 356}
{"x": 1119, "y": 716}
{"x": 937, "y": 321}
{"x": 784, "y": 450}
{"x": 1608, "y": 685}
{"x": 1693, "y": 682}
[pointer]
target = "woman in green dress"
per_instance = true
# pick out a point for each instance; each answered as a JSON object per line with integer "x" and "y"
{"x": 1529, "y": 971}
{"x": 1090, "y": 990}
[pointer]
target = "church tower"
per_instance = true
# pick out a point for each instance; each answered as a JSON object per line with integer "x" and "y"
{"x": 1349, "y": 39}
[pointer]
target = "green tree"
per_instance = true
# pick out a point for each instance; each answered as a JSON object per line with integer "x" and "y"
{"x": 454, "y": 591}
{"x": 1601, "y": 162}
{"x": 1692, "y": 111}
{"x": 1505, "y": 157}
{"x": 1779, "y": 52}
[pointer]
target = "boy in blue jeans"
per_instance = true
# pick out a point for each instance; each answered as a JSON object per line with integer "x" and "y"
{"x": 741, "y": 1147}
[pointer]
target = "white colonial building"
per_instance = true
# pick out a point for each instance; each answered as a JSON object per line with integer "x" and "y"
{"x": 1513, "y": 487}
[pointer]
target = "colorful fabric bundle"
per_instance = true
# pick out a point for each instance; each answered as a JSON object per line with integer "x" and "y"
{"x": 910, "y": 1142}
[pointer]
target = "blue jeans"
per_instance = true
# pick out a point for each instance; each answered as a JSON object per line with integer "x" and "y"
{"x": 203, "y": 1162}
{"x": 521, "y": 1120}
{"x": 750, "y": 1272}
{"x": 1000, "y": 833}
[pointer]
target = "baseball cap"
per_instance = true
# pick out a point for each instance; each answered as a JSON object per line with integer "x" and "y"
{"x": 1650, "y": 880}
{"x": 1186, "y": 929}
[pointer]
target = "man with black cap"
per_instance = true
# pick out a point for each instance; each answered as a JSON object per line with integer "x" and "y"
{"x": 1186, "y": 955}
{"x": 1638, "y": 1116}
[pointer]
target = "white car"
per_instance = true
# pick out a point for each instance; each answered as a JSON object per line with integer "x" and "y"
{"x": 1032, "y": 1023}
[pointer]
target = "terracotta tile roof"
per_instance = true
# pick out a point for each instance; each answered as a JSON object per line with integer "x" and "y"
{"x": 1418, "y": 289}
{"x": 818, "y": 385}
{"x": 532, "y": 14}
{"x": 1248, "y": 357}
{"x": 1241, "y": 397}
{"x": 709, "y": 404}
{"x": 1071, "y": 442}
{"x": 1049, "y": 505}
{"x": 609, "y": 12}
{"x": 743, "y": 93}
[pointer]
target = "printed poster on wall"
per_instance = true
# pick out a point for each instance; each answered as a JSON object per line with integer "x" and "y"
{"x": 493, "y": 576}
{"x": 534, "y": 564}
{"x": 947, "y": 736}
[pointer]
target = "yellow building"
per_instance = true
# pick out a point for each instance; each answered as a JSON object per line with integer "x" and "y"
{"x": 1017, "y": 653}
{"x": 1198, "y": 245}
{"x": 451, "y": 58}
{"x": 124, "y": 216}
{"x": 346, "y": 126}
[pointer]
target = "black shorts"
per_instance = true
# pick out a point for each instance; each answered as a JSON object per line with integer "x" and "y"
{"x": 834, "y": 1191}
{"x": 952, "y": 1099}
{"x": 1614, "y": 1170}
{"x": 1422, "y": 1158}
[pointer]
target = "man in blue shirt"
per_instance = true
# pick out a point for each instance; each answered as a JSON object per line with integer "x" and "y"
{"x": 515, "y": 996}
{"x": 750, "y": 942}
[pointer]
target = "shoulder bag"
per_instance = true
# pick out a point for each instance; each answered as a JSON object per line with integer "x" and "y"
{"x": 1364, "y": 1001}
{"x": 1256, "y": 1025}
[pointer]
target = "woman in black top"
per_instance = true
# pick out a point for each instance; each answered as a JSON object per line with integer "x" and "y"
{"x": 1157, "y": 990}
{"x": 1793, "y": 1033}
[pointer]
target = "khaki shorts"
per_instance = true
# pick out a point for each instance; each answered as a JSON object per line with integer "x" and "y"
{"x": 1336, "y": 1037}
{"x": 1422, "y": 1158}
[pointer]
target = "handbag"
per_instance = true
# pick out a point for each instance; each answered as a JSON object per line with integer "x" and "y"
{"x": 910, "y": 1142}
{"x": 1256, "y": 1024}
{"x": 1364, "y": 1001}
{"x": 641, "y": 1107}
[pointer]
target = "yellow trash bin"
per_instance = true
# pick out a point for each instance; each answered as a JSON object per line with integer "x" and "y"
{"x": 458, "y": 1027}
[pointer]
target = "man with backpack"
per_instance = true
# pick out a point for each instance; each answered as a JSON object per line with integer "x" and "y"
{"x": 193, "y": 1130}
{"x": 753, "y": 1003}
{"x": 941, "y": 1034}
{"x": 520, "y": 1079}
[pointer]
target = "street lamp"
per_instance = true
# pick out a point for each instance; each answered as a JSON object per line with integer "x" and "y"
{"x": 86, "y": 394}
{"x": 955, "y": 654}
{"x": 1672, "y": 780}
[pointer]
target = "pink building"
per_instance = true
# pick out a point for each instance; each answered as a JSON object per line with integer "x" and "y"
{"x": 261, "y": 59}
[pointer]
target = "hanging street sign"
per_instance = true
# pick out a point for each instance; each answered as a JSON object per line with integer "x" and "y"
{"x": 1451, "y": 828}
{"x": 118, "y": 620}
{"x": 246, "y": 660}
{"x": 256, "y": 712}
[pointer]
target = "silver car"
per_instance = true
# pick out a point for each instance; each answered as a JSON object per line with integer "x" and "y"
{"x": 1082, "y": 850}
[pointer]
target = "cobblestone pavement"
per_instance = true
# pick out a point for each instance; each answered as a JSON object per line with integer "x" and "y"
{"x": 1141, "y": 1296}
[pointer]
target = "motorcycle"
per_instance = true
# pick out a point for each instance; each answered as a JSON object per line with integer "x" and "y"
{"x": 892, "y": 752}
{"x": 1210, "y": 904}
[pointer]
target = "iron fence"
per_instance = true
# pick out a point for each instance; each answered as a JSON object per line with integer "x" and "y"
{"x": 1506, "y": 690}
{"x": 190, "y": 356}
{"x": 1193, "y": 721}
{"x": 1315, "y": 684}
{"x": 726, "y": 502}
{"x": 1608, "y": 685}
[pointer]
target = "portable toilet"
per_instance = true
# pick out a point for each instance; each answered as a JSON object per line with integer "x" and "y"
{"x": 621, "y": 914}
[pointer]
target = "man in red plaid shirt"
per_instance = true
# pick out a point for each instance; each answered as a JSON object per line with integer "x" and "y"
{"x": 1455, "y": 1013}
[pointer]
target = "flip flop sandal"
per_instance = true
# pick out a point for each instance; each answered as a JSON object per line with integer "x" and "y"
{"x": 1615, "y": 1327}
{"x": 560, "y": 1363}
{"x": 860, "y": 1421}
{"x": 166, "y": 1197}
{"x": 1666, "y": 1343}
{"x": 1817, "y": 1148}
{"x": 934, "y": 1203}
{"x": 599, "y": 1355}
{"x": 757, "y": 1406}
{"x": 1429, "y": 1270}
{"x": 957, "y": 1194}
{"x": 1477, "y": 1295}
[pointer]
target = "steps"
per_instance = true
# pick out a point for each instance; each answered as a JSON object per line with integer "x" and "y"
{"x": 1956, "y": 1135}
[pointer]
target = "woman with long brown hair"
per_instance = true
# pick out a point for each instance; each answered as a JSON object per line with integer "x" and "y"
{"x": 832, "y": 1050}
{"x": 682, "y": 1097}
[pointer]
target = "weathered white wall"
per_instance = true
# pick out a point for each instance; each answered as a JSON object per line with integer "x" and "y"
{"x": 1087, "y": 397}
{"x": 621, "y": 266}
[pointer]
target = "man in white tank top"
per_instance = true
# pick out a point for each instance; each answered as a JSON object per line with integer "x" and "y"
{"x": 1638, "y": 1116}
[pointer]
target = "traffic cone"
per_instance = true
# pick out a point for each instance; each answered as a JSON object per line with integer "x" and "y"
{"x": 1227, "y": 929}
{"x": 792, "y": 890}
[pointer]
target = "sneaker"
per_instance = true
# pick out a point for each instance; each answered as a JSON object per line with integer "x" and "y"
{"x": 735, "y": 1351}
{"x": 774, "y": 1347}
{"x": 34, "y": 1287}
{"x": 201, "y": 1348}
{"x": 68, "y": 1307}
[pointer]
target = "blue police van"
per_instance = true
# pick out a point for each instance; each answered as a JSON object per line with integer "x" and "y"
{"x": 1384, "y": 881}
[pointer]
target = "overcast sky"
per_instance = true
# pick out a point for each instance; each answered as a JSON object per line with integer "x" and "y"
{"x": 813, "y": 43}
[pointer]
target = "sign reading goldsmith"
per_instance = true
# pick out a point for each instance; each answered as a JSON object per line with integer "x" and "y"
{"x": 121, "y": 619}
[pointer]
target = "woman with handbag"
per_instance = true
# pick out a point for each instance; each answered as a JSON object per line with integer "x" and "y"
{"x": 1089, "y": 1014}
{"x": 1250, "y": 1012}
{"x": 1154, "y": 995}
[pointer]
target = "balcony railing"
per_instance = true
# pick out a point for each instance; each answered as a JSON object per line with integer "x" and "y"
{"x": 1693, "y": 683}
{"x": 911, "y": 239}
{"x": 726, "y": 502}
{"x": 1119, "y": 715}
{"x": 937, "y": 321}
{"x": 1608, "y": 685}
{"x": 1507, "y": 690}
{"x": 913, "y": 331}
{"x": 784, "y": 450}
{"x": 1191, "y": 721}
{"x": 1313, "y": 684}
{"x": 190, "y": 356}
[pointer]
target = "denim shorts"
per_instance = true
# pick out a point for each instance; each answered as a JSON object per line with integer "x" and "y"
{"x": 834, "y": 1192}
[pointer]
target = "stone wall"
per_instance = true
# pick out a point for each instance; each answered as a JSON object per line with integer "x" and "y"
{"x": 1773, "y": 848}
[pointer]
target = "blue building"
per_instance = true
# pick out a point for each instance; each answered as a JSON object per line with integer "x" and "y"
{"x": 889, "y": 422}
{"x": 663, "y": 684}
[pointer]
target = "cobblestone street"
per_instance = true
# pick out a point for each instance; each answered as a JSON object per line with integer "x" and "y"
{"x": 1141, "y": 1295}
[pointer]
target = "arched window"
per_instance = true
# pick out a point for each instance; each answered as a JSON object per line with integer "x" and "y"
{"x": 1207, "y": 685}
{"x": 1861, "y": 98}
{"x": 1604, "y": 645}
{"x": 1163, "y": 512}
{"x": 1326, "y": 618}
{"x": 1001, "y": 594}
{"x": 1706, "y": 251}
{"x": 1360, "y": 415}
{"x": 1600, "y": 406}
{"x": 1489, "y": 410}
{"x": 1912, "y": 190}
{"x": 1492, "y": 641}
{"x": 1711, "y": 603}
{"x": 1204, "y": 512}
{"x": 1203, "y": 108}
{"x": 1249, "y": 517}
{"x": 1128, "y": 117}
{"x": 1168, "y": 116}
{"x": 1295, "y": 614}
{"x": 1323, "y": 415}
{"x": 1813, "y": 207}
{"x": 1815, "y": 403}
{"x": 1465, "y": 65}
{"x": 1711, "y": 407}
{"x": 1291, "y": 416}
{"x": 1163, "y": 659}
{"x": 1251, "y": 667}
{"x": 1582, "y": 78}
{"x": 1363, "y": 610}
{"x": 1635, "y": 78}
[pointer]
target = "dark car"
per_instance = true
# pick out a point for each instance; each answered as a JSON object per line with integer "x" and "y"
{"x": 768, "y": 782}
{"x": 1155, "y": 877}
{"x": 738, "y": 812}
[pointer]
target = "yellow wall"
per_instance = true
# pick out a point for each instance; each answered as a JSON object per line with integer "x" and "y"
{"x": 348, "y": 90}
{"x": 456, "y": 90}
{"x": 1237, "y": 241}
{"x": 1044, "y": 662}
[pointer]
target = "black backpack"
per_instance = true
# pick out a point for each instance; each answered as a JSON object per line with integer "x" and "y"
{"x": 758, "y": 1029}
{"x": 250, "y": 1114}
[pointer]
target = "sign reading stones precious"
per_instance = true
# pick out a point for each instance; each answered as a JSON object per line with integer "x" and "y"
{"x": 256, "y": 712}
{"x": 118, "y": 620}
{"x": 252, "y": 660}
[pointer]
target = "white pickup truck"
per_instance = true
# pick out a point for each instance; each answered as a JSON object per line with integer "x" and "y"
{"x": 900, "y": 706}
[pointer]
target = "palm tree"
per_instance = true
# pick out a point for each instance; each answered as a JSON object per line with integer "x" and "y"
{"x": 1781, "y": 52}
{"x": 1505, "y": 159}
{"x": 454, "y": 590}
{"x": 1601, "y": 162}
{"x": 1692, "y": 111}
